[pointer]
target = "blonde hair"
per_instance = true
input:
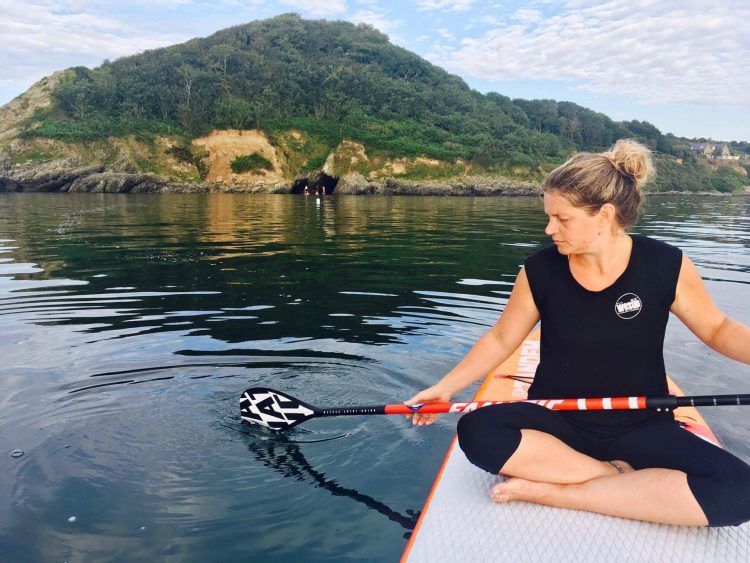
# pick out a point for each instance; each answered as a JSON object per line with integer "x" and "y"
{"x": 590, "y": 180}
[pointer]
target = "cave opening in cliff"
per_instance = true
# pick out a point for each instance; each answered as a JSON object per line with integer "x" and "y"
{"x": 315, "y": 183}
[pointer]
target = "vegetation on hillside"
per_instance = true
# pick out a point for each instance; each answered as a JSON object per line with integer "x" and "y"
{"x": 336, "y": 81}
{"x": 250, "y": 162}
{"x": 696, "y": 175}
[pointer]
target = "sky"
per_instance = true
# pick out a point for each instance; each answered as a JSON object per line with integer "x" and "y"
{"x": 682, "y": 65}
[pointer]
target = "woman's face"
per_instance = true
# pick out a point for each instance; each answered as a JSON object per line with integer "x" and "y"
{"x": 573, "y": 230}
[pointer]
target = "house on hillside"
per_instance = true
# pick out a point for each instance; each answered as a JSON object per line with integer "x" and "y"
{"x": 722, "y": 154}
{"x": 703, "y": 149}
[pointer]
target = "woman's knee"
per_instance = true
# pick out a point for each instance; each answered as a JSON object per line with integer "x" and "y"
{"x": 737, "y": 484}
{"x": 724, "y": 494}
{"x": 478, "y": 428}
{"x": 472, "y": 432}
{"x": 485, "y": 439}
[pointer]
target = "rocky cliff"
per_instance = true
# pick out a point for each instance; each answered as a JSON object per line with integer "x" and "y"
{"x": 130, "y": 165}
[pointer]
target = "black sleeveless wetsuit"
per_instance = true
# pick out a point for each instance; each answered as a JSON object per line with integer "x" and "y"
{"x": 605, "y": 344}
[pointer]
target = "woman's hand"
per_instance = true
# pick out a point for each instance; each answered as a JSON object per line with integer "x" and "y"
{"x": 491, "y": 350}
{"x": 434, "y": 394}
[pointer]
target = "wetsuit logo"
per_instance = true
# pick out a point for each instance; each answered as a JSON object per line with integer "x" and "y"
{"x": 628, "y": 306}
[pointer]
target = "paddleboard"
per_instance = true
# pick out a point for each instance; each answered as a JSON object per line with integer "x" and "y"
{"x": 459, "y": 522}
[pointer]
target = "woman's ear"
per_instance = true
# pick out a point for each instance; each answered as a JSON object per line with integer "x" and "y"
{"x": 608, "y": 214}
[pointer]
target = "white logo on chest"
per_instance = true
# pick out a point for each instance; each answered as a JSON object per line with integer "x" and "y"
{"x": 628, "y": 306}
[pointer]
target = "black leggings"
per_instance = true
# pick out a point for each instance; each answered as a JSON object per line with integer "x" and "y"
{"x": 719, "y": 481}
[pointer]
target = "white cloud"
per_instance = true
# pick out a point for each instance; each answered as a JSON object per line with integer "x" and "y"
{"x": 491, "y": 20}
{"x": 656, "y": 52}
{"x": 319, "y": 8}
{"x": 379, "y": 20}
{"x": 444, "y": 5}
{"x": 445, "y": 33}
{"x": 42, "y": 36}
{"x": 527, "y": 15}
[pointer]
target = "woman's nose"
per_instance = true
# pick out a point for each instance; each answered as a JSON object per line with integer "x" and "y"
{"x": 550, "y": 228}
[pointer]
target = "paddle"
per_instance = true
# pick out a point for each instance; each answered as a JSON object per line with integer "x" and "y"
{"x": 279, "y": 411}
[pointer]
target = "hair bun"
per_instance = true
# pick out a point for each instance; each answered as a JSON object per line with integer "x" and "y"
{"x": 633, "y": 159}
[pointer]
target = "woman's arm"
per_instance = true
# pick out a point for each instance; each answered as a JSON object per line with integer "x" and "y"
{"x": 694, "y": 307}
{"x": 493, "y": 348}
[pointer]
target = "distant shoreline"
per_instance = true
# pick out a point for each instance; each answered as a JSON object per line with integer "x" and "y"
{"x": 56, "y": 179}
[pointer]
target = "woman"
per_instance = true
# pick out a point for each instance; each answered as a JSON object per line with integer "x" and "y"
{"x": 603, "y": 298}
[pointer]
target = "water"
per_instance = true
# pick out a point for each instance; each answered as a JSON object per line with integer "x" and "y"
{"x": 129, "y": 326}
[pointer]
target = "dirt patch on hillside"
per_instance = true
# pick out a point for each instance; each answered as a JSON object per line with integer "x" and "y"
{"x": 222, "y": 147}
{"x": 427, "y": 161}
{"x": 348, "y": 157}
{"x": 15, "y": 113}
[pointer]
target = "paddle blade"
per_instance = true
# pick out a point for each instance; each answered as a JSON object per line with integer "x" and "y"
{"x": 273, "y": 409}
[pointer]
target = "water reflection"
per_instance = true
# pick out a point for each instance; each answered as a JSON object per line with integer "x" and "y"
{"x": 194, "y": 263}
{"x": 285, "y": 456}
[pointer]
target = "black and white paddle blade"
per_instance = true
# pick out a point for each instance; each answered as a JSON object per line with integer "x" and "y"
{"x": 273, "y": 409}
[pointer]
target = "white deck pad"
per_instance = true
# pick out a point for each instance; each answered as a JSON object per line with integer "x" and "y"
{"x": 461, "y": 523}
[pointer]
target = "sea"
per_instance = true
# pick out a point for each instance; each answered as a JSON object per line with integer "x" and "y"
{"x": 131, "y": 324}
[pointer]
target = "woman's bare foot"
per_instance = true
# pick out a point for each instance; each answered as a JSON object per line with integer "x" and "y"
{"x": 515, "y": 488}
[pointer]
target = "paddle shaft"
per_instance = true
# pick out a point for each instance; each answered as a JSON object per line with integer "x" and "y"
{"x": 666, "y": 402}
{"x": 279, "y": 411}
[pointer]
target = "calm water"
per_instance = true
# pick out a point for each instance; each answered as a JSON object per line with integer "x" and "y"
{"x": 129, "y": 326}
